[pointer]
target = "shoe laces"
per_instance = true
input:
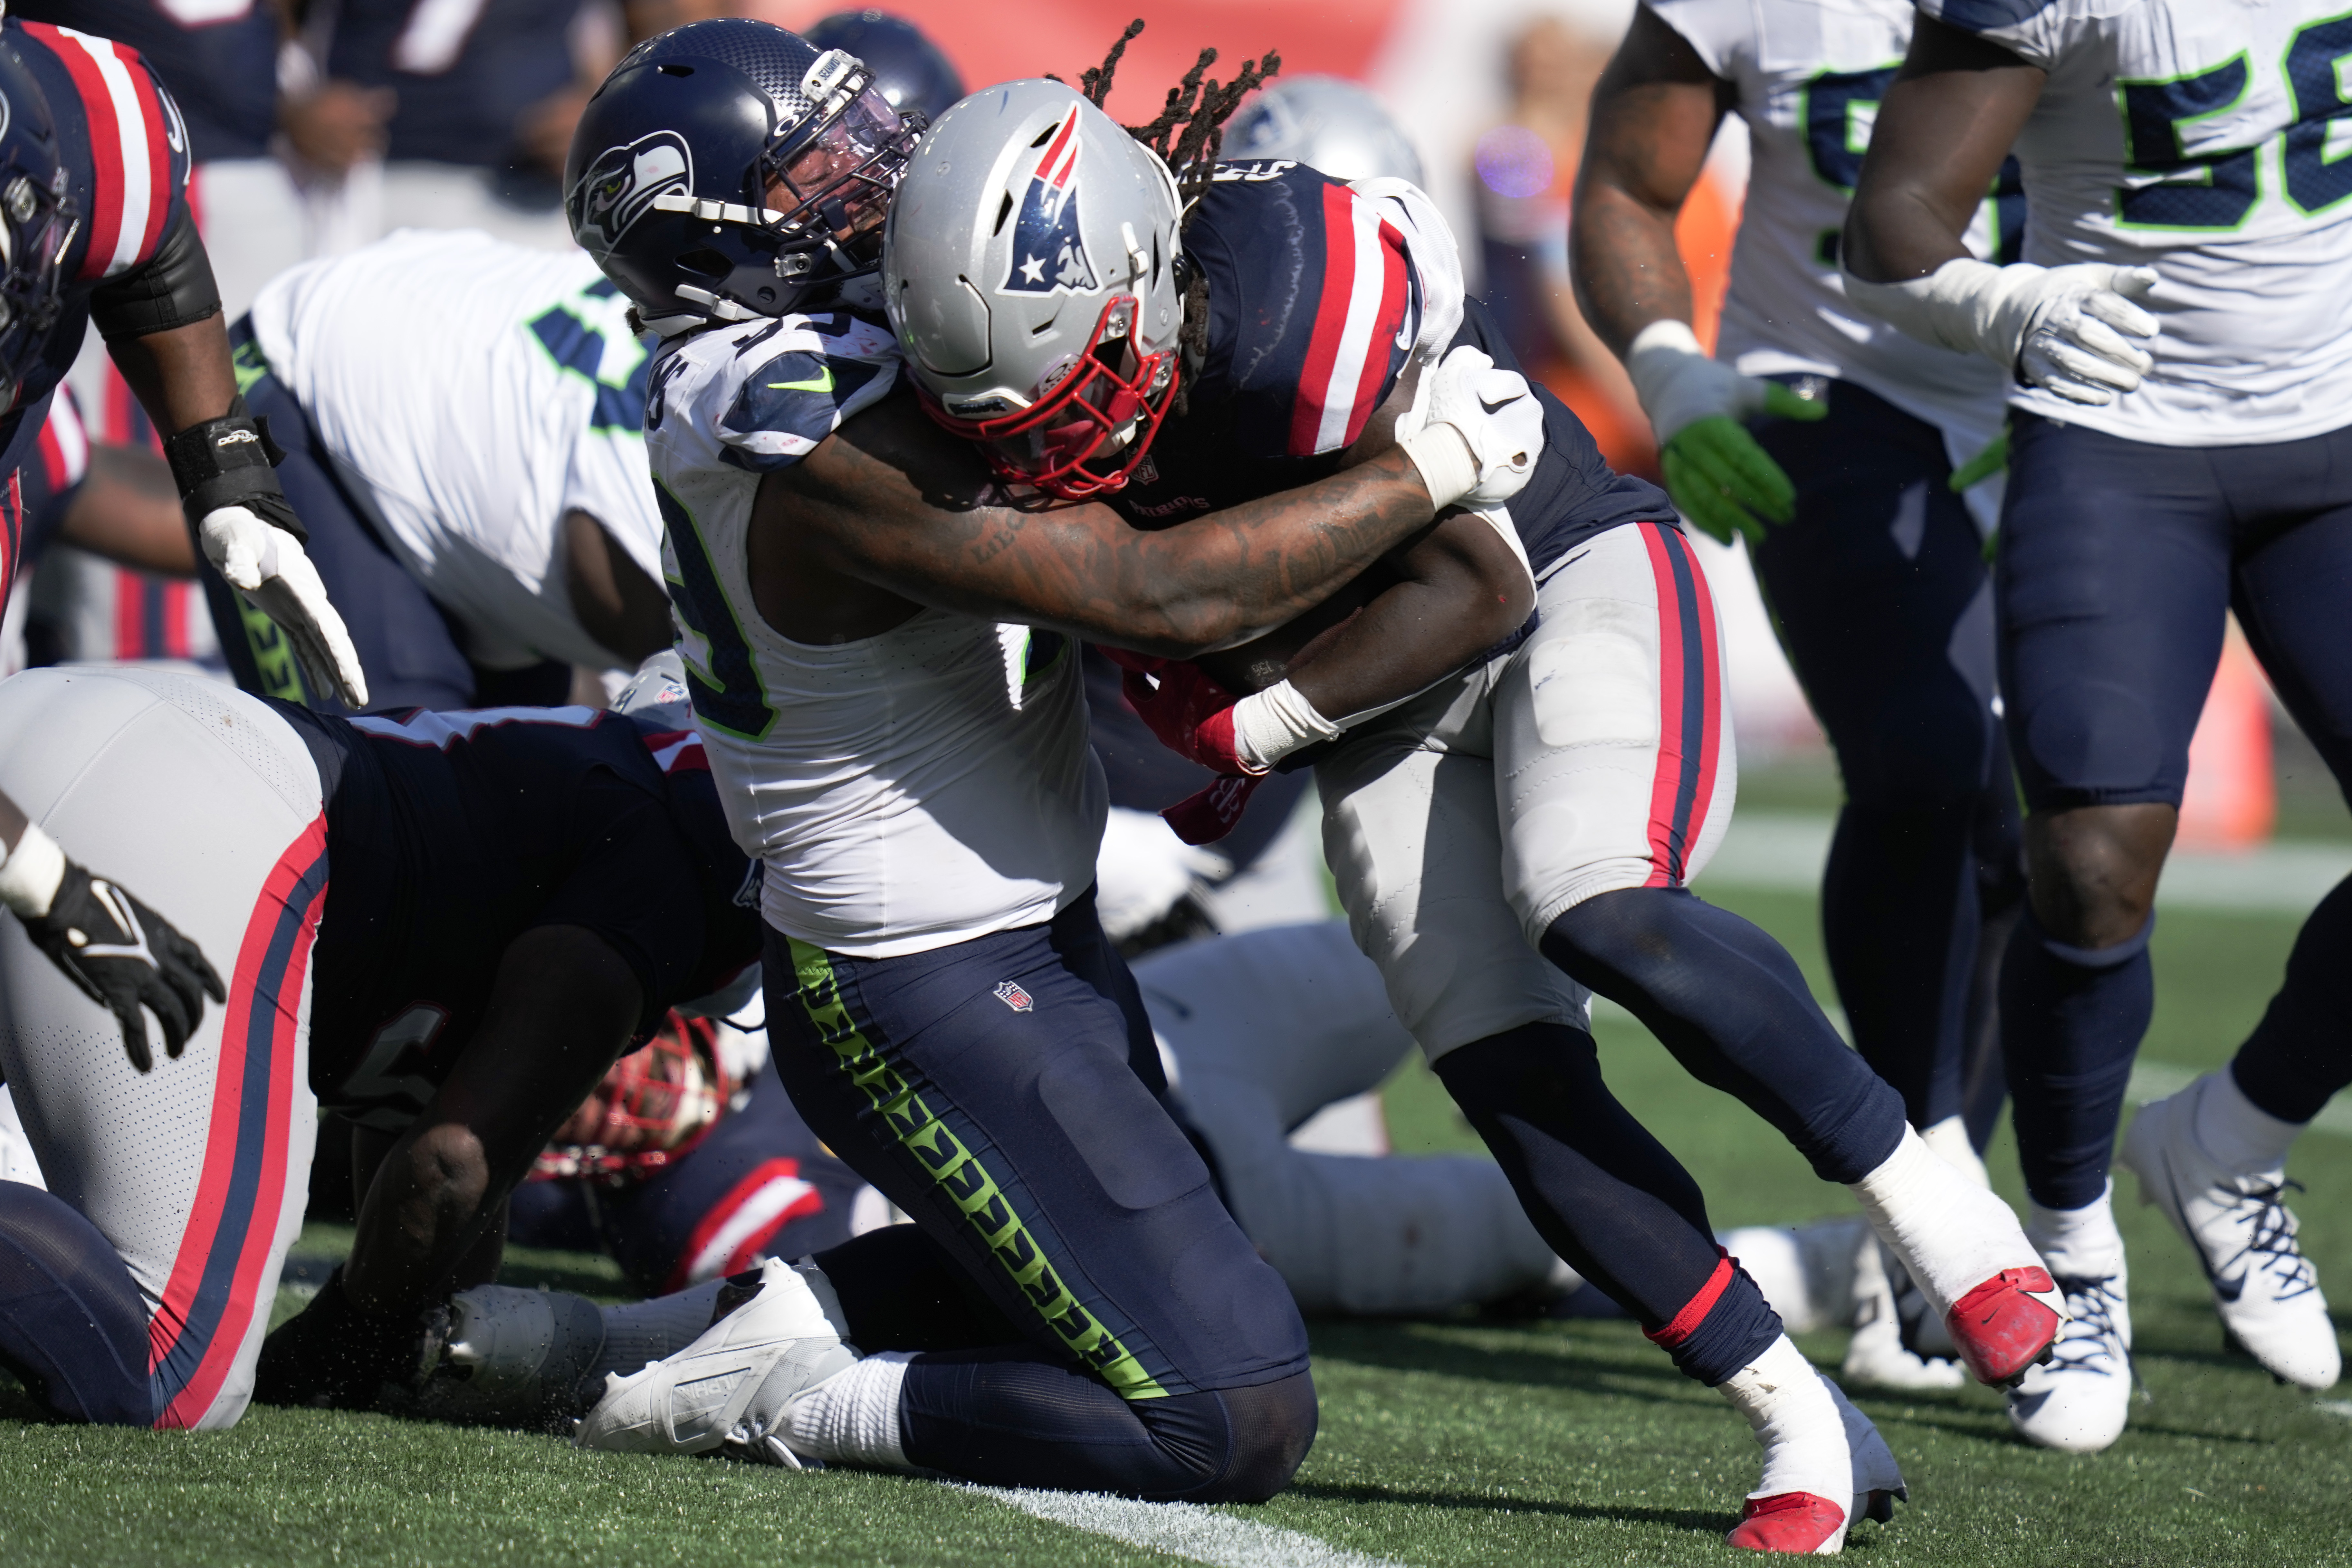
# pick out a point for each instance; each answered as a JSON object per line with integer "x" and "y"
{"x": 2092, "y": 1332}
{"x": 2270, "y": 1246}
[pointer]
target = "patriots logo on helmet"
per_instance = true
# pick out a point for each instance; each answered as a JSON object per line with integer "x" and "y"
{"x": 621, "y": 184}
{"x": 1049, "y": 256}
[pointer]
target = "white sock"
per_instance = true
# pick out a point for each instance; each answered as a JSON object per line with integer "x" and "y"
{"x": 853, "y": 1416}
{"x": 1951, "y": 1234}
{"x": 1797, "y": 1421}
{"x": 655, "y": 1329}
{"x": 2238, "y": 1134}
{"x": 1949, "y": 1141}
{"x": 2079, "y": 1244}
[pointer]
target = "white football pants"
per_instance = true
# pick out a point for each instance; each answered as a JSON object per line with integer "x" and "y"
{"x": 206, "y": 806}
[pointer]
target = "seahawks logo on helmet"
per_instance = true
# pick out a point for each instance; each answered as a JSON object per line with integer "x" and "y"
{"x": 621, "y": 184}
{"x": 1049, "y": 256}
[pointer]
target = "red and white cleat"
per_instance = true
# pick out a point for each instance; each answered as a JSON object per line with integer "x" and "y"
{"x": 1798, "y": 1524}
{"x": 2007, "y": 1324}
{"x": 1813, "y": 1464}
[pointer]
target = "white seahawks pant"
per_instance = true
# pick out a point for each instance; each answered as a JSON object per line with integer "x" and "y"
{"x": 206, "y": 806}
{"x": 1262, "y": 1030}
{"x": 1459, "y": 826}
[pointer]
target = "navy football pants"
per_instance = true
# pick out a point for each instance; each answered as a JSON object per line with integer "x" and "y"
{"x": 1003, "y": 1093}
{"x": 2118, "y": 560}
{"x": 1880, "y": 593}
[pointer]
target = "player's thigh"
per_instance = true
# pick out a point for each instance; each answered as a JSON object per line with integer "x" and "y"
{"x": 1614, "y": 765}
{"x": 2113, "y": 574}
{"x": 2292, "y": 591}
{"x": 207, "y": 806}
{"x": 1415, "y": 851}
{"x": 1880, "y": 592}
{"x": 987, "y": 1091}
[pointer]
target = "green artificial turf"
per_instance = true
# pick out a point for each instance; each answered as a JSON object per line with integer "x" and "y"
{"x": 1453, "y": 1442}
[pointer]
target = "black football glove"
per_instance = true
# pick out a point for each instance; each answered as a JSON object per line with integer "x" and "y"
{"x": 125, "y": 956}
{"x": 332, "y": 1356}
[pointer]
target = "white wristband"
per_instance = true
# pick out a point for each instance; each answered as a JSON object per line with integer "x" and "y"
{"x": 1271, "y": 724}
{"x": 31, "y": 872}
{"x": 1448, "y": 469}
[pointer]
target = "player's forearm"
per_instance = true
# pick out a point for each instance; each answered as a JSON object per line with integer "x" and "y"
{"x": 181, "y": 377}
{"x": 1627, "y": 271}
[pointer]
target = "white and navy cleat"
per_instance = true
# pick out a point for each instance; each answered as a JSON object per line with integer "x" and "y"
{"x": 2080, "y": 1399}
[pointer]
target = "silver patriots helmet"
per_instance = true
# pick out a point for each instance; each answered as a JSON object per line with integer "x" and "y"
{"x": 1331, "y": 125}
{"x": 1028, "y": 267}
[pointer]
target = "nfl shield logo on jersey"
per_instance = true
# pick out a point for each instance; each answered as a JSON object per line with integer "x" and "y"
{"x": 1013, "y": 996}
{"x": 623, "y": 181}
{"x": 1048, "y": 254}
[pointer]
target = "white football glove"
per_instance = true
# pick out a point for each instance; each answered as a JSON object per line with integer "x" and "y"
{"x": 270, "y": 567}
{"x": 2067, "y": 329}
{"x": 1478, "y": 431}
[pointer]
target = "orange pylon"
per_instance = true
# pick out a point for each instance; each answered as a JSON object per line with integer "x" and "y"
{"x": 2231, "y": 799}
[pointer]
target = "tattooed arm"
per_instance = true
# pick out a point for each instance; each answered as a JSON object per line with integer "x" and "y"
{"x": 1654, "y": 119}
{"x": 890, "y": 514}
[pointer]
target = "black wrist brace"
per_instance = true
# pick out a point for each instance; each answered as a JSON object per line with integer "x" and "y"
{"x": 231, "y": 461}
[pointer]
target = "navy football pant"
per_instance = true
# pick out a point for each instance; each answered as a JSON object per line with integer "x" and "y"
{"x": 1883, "y": 603}
{"x": 1002, "y": 1092}
{"x": 759, "y": 1184}
{"x": 2118, "y": 560}
{"x": 72, "y": 1323}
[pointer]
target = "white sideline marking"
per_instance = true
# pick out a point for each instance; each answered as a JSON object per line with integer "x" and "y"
{"x": 1183, "y": 1530}
{"x": 2334, "y": 1407}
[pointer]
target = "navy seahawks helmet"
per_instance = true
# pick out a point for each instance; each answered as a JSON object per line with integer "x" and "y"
{"x": 912, "y": 71}
{"x": 730, "y": 168}
{"x": 38, "y": 220}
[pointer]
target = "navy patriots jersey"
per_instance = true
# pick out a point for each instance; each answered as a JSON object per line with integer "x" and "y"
{"x": 463, "y": 72}
{"x": 219, "y": 57}
{"x": 449, "y": 835}
{"x": 124, "y": 153}
{"x": 1313, "y": 309}
{"x": 42, "y": 490}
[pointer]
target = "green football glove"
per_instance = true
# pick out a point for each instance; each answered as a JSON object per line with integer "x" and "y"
{"x": 1722, "y": 480}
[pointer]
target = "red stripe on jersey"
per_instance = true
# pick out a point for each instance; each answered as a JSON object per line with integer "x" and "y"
{"x": 12, "y": 534}
{"x": 64, "y": 443}
{"x": 128, "y": 152}
{"x": 678, "y": 752}
{"x": 105, "y": 146}
{"x": 159, "y": 152}
{"x": 1367, "y": 293}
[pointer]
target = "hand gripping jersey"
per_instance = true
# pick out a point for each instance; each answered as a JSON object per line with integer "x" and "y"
{"x": 474, "y": 391}
{"x": 1808, "y": 76}
{"x": 123, "y": 149}
{"x": 2204, "y": 140}
{"x": 1318, "y": 293}
{"x": 449, "y": 835}
{"x": 907, "y": 791}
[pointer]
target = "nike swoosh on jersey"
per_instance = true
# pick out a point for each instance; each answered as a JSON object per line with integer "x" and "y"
{"x": 821, "y": 383}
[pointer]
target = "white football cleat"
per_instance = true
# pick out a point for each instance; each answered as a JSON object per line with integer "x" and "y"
{"x": 1877, "y": 1356}
{"x": 2243, "y": 1234}
{"x": 1878, "y": 1482}
{"x": 730, "y": 1386}
{"x": 1803, "y": 1503}
{"x": 515, "y": 1358}
{"x": 2079, "y": 1400}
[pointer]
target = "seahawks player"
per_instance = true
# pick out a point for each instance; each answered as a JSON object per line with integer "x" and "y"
{"x": 913, "y": 771}
{"x": 2178, "y": 364}
{"x": 463, "y": 422}
{"x": 1874, "y": 567}
{"x": 516, "y": 894}
{"x": 93, "y": 171}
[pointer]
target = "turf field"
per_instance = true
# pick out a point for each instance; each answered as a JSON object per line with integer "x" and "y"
{"x": 1451, "y": 1442}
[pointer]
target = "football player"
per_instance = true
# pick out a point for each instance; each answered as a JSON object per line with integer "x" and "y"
{"x": 516, "y": 894}
{"x": 2178, "y": 369}
{"x": 1873, "y": 565}
{"x": 93, "y": 175}
{"x": 462, "y": 419}
{"x": 1539, "y": 814}
{"x": 880, "y": 646}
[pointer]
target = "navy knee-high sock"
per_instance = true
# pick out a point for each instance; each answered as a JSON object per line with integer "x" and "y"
{"x": 1731, "y": 1005}
{"x": 2072, "y": 1020}
{"x": 1900, "y": 921}
{"x": 72, "y": 1323}
{"x": 2301, "y": 1053}
{"x": 1607, "y": 1196}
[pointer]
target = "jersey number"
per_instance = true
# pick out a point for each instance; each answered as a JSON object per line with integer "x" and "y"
{"x": 2216, "y": 190}
{"x": 1838, "y": 110}
{"x": 725, "y": 682}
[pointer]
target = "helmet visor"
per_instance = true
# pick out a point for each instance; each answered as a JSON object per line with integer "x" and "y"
{"x": 841, "y": 178}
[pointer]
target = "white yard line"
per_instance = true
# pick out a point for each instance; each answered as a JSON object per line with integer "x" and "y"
{"x": 1183, "y": 1530}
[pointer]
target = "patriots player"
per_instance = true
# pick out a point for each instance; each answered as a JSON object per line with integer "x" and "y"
{"x": 462, "y": 419}
{"x": 93, "y": 171}
{"x": 879, "y": 646}
{"x": 1873, "y": 566}
{"x": 2179, "y": 366}
{"x": 515, "y": 895}
{"x": 1538, "y": 813}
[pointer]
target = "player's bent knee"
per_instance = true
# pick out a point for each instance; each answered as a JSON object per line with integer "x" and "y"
{"x": 1273, "y": 1427}
{"x": 73, "y": 1326}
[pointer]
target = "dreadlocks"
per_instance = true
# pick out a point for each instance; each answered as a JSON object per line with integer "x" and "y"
{"x": 1189, "y": 127}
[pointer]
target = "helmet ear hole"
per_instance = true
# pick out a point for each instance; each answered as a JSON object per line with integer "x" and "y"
{"x": 708, "y": 263}
{"x": 673, "y": 69}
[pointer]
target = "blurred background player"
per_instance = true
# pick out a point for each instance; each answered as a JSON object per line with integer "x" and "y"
{"x": 2179, "y": 450}
{"x": 464, "y": 422}
{"x": 1873, "y": 568}
{"x": 911, "y": 73}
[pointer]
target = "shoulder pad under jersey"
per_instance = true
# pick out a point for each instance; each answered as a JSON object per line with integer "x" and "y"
{"x": 763, "y": 393}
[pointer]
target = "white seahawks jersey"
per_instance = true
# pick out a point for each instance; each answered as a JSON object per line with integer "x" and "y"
{"x": 904, "y": 791}
{"x": 476, "y": 392}
{"x": 2210, "y": 140}
{"x": 1808, "y": 76}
